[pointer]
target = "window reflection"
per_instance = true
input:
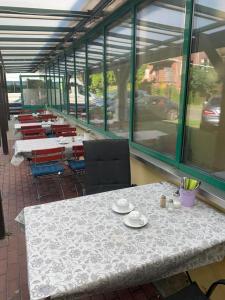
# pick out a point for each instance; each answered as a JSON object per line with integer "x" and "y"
{"x": 205, "y": 122}
{"x": 57, "y": 90}
{"x": 34, "y": 90}
{"x": 63, "y": 83}
{"x": 159, "y": 42}
{"x": 95, "y": 82}
{"x": 118, "y": 51}
{"x": 70, "y": 83}
{"x": 81, "y": 83}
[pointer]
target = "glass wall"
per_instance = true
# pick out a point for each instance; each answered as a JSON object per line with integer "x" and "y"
{"x": 118, "y": 52}
{"x": 141, "y": 55}
{"x": 57, "y": 86}
{"x": 80, "y": 57}
{"x": 14, "y": 91}
{"x": 205, "y": 122}
{"x": 95, "y": 82}
{"x": 159, "y": 43}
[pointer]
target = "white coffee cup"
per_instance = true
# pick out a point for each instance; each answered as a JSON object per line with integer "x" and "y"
{"x": 122, "y": 203}
{"x": 135, "y": 217}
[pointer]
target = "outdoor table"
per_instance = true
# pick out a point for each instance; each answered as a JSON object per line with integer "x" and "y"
{"x": 30, "y": 114}
{"x": 81, "y": 247}
{"x": 23, "y": 148}
{"x": 48, "y": 124}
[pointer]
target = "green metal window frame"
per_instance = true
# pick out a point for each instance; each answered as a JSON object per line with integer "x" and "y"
{"x": 177, "y": 161}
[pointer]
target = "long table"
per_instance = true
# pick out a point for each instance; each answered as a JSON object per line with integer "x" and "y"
{"x": 81, "y": 247}
{"x": 23, "y": 148}
{"x": 47, "y": 124}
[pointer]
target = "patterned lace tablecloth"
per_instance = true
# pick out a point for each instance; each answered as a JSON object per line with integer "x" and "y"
{"x": 23, "y": 148}
{"x": 80, "y": 246}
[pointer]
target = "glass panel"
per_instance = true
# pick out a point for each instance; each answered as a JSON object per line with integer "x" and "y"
{"x": 58, "y": 87}
{"x": 63, "y": 80}
{"x": 27, "y": 22}
{"x": 71, "y": 87}
{"x": 53, "y": 86}
{"x": 48, "y": 83}
{"x": 95, "y": 83}
{"x": 159, "y": 40}
{"x": 81, "y": 83}
{"x": 205, "y": 121}
{"x": 14, "y": 91}
{"x": 47, "y": 4}
{"x": 118, "y": 76}
{"x": 34, "y": 90}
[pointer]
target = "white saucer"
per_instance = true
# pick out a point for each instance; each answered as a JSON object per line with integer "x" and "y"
{"x": 129, "y": 223}
{"x": 122, "y": 211}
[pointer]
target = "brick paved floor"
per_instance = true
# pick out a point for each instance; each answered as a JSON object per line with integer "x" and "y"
{"x": 18, "y": 191}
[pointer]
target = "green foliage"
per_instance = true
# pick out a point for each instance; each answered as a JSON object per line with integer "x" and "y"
{"x": 111, "y": 78}
{"x": 139, "y": 76}
{"x": 96, "y": 82}
{"x": 203, "y": 84}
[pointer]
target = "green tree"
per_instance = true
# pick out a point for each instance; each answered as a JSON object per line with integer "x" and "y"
{"x": 203, "y": 83}
{"x": 96, "y": 83}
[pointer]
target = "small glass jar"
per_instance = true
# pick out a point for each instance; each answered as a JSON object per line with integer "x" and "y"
{"x": 163, "y": 201}
{"x": 170, "y": 205}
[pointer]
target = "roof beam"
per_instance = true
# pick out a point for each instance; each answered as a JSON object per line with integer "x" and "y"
{"x": 35, "y": 28}
{"x": 15, "y": 39}
{"x": 43, "y": 12}
{"x": 97, "y": 11}
{"x": 25, "y": 48}
{"x": 21, "y": 59}
{"x": 36, "y": 55}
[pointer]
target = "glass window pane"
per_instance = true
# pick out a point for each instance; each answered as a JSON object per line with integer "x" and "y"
{"x": 64, "y": 90}
{"x": 71, "y": 83}
{"x": 53, "y": 90}
{"x": 205, "y": 120}
{"x": 55, "y": 78}
{"x": 118, "y": 76}
{"x": 81, "y": 83}
{"x": 159, "y": 41}
{"x": 95, "y": 83}
{"x": 34, "y": 90}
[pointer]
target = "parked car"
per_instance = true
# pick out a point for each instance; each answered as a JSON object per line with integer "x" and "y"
{"x": 211, "y": 113}
{"x": 156, "y": 107}
{"x": 150, "y": 106}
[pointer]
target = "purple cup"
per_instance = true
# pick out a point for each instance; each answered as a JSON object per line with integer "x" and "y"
{"x": 187, "y": 197}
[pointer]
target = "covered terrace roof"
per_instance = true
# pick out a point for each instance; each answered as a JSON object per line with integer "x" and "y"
{"x": 31, "y": 37}
{"x": 31, "y": 32}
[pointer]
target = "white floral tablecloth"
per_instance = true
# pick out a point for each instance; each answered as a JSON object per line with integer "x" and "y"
{"x": 80, "y": 246}
{"x": 23, "y": 148}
